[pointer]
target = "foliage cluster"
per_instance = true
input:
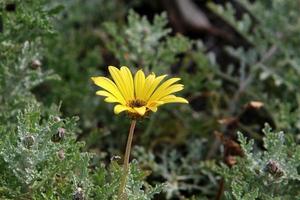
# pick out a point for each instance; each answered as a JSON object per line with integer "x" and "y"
{"x": 49, "y": 51}
{"x": 40, "y": 157}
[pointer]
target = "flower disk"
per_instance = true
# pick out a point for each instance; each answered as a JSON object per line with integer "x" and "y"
{"x": 137, "y": 95}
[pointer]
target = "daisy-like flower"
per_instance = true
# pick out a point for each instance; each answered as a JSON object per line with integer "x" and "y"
{"x": 137, "y": 95}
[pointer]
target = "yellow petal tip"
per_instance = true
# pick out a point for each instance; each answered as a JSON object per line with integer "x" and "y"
{"x": 141, "y": 110}
{"x": 111, "y": 67}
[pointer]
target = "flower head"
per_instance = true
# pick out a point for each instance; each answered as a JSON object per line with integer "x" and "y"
{"x": 137, "y": 95}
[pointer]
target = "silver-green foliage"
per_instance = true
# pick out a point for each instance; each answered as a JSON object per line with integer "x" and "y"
{"x": 144, "y": 44}
{"x": 180, "y": 173}
{"x": 39, "y": 155}
{"x": 271, "y": 30}
{"x": 40, "y": 158}
{"x": 108, "y": 182}
{"x": 271, "y": 173}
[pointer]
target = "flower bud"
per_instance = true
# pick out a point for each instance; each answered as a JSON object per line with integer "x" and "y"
{"x": 35, "y": 64}
{"x": 60, "y": 134}
{"x": 28, "y": 141}
{"x": 61, "y": 154}
{"x": 274, "y": 169}
{"x": 78, "y": 194}
{"x": 57, "y": 119}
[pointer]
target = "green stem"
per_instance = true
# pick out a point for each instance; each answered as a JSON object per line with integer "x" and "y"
{"x": 121, "y": 194}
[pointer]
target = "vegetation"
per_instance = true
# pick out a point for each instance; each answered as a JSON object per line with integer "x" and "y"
{"x": 238, "y": 138}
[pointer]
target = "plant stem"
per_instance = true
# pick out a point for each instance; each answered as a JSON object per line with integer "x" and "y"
{"x": 121, "y": 194}
{"x": 220, "y": 190}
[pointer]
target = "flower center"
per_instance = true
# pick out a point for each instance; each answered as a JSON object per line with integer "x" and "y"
{"x": 136, "y": 103}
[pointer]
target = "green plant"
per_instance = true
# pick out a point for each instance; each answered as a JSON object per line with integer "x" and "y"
{"x": 108, "y": 180}
{"x": 145, "y": 44}
{"x": 38, "y": 149}
{"x": 40, "y": 157}
{"x": 265, "y": 174}
{"x": 270, "y": 29}
{"x": 234, "y": 82}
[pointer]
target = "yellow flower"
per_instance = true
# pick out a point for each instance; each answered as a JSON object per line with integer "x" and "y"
{"x": 139, "y": 94}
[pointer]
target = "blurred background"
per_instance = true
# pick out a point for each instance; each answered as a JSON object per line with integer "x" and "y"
{"x": 239, "y": 62}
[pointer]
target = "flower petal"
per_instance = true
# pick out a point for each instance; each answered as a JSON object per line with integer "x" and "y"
{"x": 140, "y": 110}
{"x": 174, "y": 99}
{"x": 153, "y": 105}
{"x": 153, "y": 86}
{"x": 148, "y": 82}
{"x": 120, "y": 108}
{"x": 153, "y": 109}
{"x": 128, "y": 81}
{"x": 103, "y": 93}
{"x": 110, "y": 98}
{"x": 161, "y": 89}
{"x": 139, "y": 82}
{"x": 110, "y": 86}
{"x": 118, "y": 79}
{"x": 170, "y": 90}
